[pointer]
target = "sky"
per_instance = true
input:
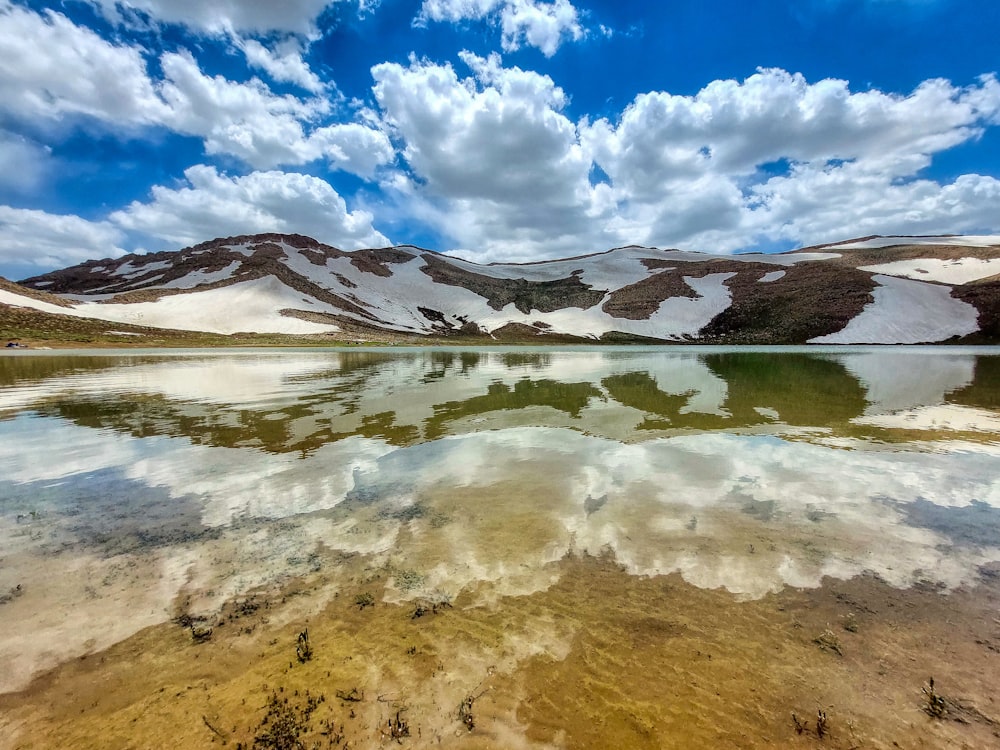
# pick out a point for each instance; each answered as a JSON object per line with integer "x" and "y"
{"x": 497, "y": 130}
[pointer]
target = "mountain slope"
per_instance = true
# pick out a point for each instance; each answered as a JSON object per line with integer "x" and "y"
{"x": 874, "y": 290}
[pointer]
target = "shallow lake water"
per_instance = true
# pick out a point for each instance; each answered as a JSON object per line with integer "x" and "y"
{"x": 564, "y": 538}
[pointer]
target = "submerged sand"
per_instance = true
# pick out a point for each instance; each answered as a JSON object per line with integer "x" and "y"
{"x": 600, "y": 659}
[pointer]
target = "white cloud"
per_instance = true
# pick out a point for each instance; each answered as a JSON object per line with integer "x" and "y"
{"x": 531, "y": 22}
{"x": 496, "y": 148}
{"x": 541, "y": 25}
{"x": 50, "y": 68}
{"x": 264, "y": 129}
{"x": 52, "y": 240}
{"x": 733, "y": 127}
{"x": 687, "y": 168}
{"x": 243, "y": 119}
{"x": 353, "y": 147}
{"x": 283, "y": 63}
{"x": 216, "y": 205}
{"x": 498, "y": 167}
{"x": 224, "y": 16}
{"x": 828, "y": 204}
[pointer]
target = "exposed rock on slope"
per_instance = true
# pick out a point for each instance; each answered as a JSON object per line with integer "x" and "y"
{"x": 875, "y": 290}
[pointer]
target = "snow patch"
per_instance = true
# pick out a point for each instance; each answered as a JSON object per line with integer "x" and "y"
{"x": 770, "y": 276}
{"x": 199, "y": 277}
{"x": 907, "y": 312}
{"x": 249, "y": 306}
{"x": 944, "y": 417}
{"x": 17, "y": 300}
{"x": 956, "y": 271}
{"x": 969, "y": 240}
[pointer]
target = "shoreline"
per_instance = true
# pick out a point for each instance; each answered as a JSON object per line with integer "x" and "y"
{"x": 600, "y": 658}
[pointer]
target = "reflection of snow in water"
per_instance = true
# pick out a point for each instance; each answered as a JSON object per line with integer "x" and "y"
{"x": 905, "y": 378}
{"x": 950, "y": 417}
{"x": 750, "y": 513}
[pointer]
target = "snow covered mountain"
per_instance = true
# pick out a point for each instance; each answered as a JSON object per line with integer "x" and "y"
{"x": 872, "y": 290}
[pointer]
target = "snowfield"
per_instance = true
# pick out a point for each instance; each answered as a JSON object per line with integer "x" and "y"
{"x": 907, "y": 312}
{"x": 251, "y": 306}
{"x": 957, "y": 271}
{"x": 967, "y": 240}
{"x": 197, "y": 278}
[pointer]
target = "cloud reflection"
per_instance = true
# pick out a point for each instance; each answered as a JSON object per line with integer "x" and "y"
{"x": 701, "y": 464}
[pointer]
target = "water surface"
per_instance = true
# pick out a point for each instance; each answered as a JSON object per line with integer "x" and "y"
{"x": 140, "y": 485}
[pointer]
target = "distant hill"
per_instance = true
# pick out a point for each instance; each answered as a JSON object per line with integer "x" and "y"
{"x": 881, "y": 290}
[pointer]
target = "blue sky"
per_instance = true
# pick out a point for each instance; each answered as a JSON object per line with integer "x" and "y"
{"x": 494, "y": 129}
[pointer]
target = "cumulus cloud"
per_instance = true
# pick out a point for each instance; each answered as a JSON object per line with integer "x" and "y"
{"x": 827, "y": 204}
{"x": 29, "y": 237}
{"x": 523, "y": 22}
{"x": 498, "y": 166}
{"x": 733, "y": 127}
{"x": 689, "y": 168}
{"x": 52, "y": 70}
{"x": 223, "y": 16}
{"x": 283, "y": 63}
{"x": 216, "y": 205}
{"x": 495, "y": 147}
{"x": 289, "y": 27}
{"x": 249, "y": 121}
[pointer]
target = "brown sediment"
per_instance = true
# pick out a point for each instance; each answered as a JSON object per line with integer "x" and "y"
{"x": 600, "y": 659}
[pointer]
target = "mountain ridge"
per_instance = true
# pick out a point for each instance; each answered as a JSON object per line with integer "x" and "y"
{"x": 872, "y": 289}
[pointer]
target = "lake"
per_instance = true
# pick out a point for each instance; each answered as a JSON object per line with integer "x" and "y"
{"x": 538, "y": 547}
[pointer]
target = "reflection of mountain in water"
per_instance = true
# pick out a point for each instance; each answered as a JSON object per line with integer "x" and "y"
{"x": 299, "y": 402}
{"x": 456, "y": 469}
{"x": 795, "y": 389}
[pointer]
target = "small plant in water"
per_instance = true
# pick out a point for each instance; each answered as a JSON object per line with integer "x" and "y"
{"x": 284, "y": 723}
{"x": 465, "y": 713}
{"x": 828, "y": 641}
{"x": 398, "y": 728}
{"x": 303, "y": 651}
{"x": 364, "y": 600}
{"x": 851, "y": 623}
{"x": 935, "y": 703}
{"x": 800, "y": 726}
{"x": 821, "y": 726}
{"x": 408, "y": 580}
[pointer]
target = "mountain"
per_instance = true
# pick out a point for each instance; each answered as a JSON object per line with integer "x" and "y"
{"x": 870, "y": 290}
